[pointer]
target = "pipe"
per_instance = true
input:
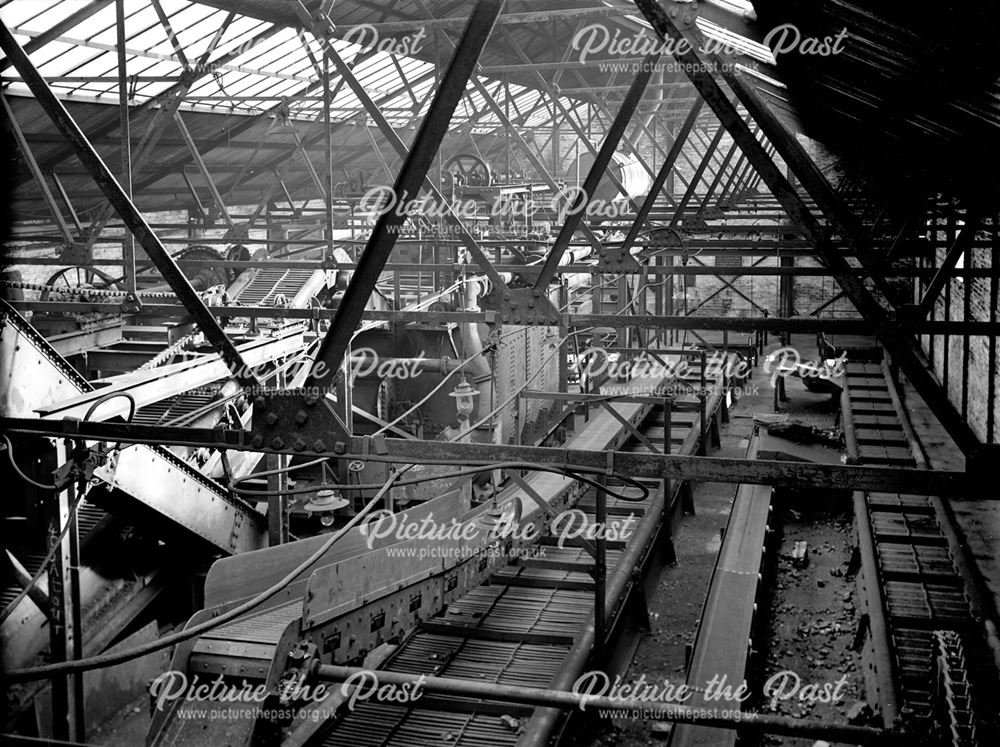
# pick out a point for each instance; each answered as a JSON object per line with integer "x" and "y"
{"x": 563, "y": 699}
{"x": 472, "y": 347}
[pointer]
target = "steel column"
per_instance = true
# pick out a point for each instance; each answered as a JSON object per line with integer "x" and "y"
{"x": 128, "y": 243}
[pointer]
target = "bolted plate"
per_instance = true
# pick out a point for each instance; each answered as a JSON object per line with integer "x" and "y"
{"x": 303, "y": 422}
{"x": 613, "y": 259}
{"x": 665, "y": 236}
{"x": 521, "y": 306}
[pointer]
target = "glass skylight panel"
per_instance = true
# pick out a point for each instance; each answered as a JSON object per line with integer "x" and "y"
{"x": 20, "y": 12}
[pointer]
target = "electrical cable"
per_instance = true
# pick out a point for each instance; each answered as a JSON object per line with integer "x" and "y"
{"x": 437, "y": 476}
{"x": 527, "y": 381}
{"x": 10, "y": 456}
{"x": 437, "y": 388}
{"x": 430, "y": 394}
{"x": 9, "y": 609}
{"x": 108, "y": 660}
{"x": 72, "y": 510}
{"x": 110, "y": 396}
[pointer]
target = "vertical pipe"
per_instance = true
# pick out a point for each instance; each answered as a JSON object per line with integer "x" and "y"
{"x": 275, "y": 501}
{"x": 946, "y": 338}
{"x": 666, "y": 423}
{"x": 64, "y": 600}
{"x": 966, "y": 315}
{"x": 703, "y": 406}
{"x": 563, "y": 332}
{"x": 600, "y": 566}
{"x": 991, "y": 376}
{"x": 328, "y": 148}
{"x": 128, "y": 244}
{"x": 57, "y": 625}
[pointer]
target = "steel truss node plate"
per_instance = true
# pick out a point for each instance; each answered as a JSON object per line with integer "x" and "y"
{"x": 665, "y": 237}
{"x": 521, "y": 306}
{"x": 305, "y": 422}
{"x": 613, "y": 259}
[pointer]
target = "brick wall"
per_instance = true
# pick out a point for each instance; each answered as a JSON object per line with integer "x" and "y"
{"x": 960, "y": 374}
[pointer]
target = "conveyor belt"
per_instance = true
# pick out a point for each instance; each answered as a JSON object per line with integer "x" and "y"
{"x": 174, "y": 409}
{"x": 518, "y": 628}
{"x": 270, "y": 282}
{"x": 921, "y": 583}
{"x": 727, "y": 633}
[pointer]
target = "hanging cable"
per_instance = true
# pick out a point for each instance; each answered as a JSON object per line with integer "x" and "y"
{"x": 110, "y": 396}
{"x": 9, "y": 609}
{"x": 532, "y": 466}
{"x": 10, "y": 457}
{"x": 108, "y": 660}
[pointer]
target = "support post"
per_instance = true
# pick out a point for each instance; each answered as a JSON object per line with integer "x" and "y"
{"x": 125, "y": 136}
{"x": 600, "y": 566}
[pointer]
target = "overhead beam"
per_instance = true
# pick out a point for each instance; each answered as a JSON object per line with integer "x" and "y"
{"x": 620, "y": 321}
{"x": 642, "y": 465}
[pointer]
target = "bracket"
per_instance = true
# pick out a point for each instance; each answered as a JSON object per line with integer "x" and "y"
{"x": 521, "y": 306}
{"x": 131, "y": 304}
{"x": 304, "y": 422}
{"x": 665, "y": 236}
{"x": 613, "y": 259}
